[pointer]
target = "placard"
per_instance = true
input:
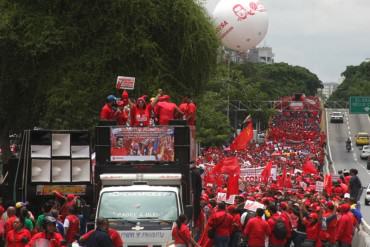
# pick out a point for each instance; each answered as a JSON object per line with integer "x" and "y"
{"x": 221, "y": 197}
{"x": 142, "y": 144}
{"x": 125, "y": 82}
{"x": 252, "y": 205}
{"x": 303, "y": 185}
{"x": 231, "y": 200}
{"x": 319, "y": 186}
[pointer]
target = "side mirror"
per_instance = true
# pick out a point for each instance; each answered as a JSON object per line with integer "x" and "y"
{"x": 189, "y": 211}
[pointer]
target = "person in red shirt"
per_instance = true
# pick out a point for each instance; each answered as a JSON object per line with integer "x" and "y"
{"x": 9, "y": 223}
{"x": 113, "y": 234}
{"x": 108, "y": 113}
{"x": 313, "y": 227}
{"x": 222, "y": 222}
{"x": 327, "y": 235}
{"x": 274, "y": 241}
{"x": 70, "y": 201}
{"x": 141, "y": 112}
{"x": 166, "y": 110}
{"x": 71, "y": 226}
{"x": 287, "y": 216}
{"x": 345, "y": 226}
{"x": 189, "y": 109}
{"x": 181, "y": 233}
{"x": 236, "y": 231}
{"x": 19, "y": 236}
{"x": 49, "y": 237}
{"x": 257, "y": 230}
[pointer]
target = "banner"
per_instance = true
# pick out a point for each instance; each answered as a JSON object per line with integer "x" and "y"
{"x": 254, "y": 174}
{"x": 142, "y": 144}
{"x": 124, "y": 82}
{"x": 47, "y": 190}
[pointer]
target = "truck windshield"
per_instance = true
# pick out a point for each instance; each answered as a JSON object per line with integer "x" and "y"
{"x": 139, "y": 205}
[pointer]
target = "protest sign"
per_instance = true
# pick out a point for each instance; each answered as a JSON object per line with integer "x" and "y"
{"x": 125, "y": 82}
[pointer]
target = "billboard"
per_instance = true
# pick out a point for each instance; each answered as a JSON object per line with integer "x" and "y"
{"x": 142, "y": 144}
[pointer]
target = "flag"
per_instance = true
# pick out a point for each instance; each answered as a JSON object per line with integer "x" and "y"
{"x": 230, "y": 165}
{"x": 328, "y": 184}
{"x": 266, "y": 173}
{"x": 282, "y": 178}
{"x": 246, "y": 135}
{"x": 233, "y": 185}
{"x": 309, "y": 168}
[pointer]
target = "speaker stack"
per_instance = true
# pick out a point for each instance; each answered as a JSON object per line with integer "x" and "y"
{"x": 60, "y": 157}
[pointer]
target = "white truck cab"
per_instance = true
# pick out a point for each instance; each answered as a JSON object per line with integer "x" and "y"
{"x": 141, "y": 207}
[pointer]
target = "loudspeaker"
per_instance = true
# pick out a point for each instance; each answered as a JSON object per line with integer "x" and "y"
{"x": 102, "y": 135}
{"x": 81, "y": 170}
{"x": 182, "y": 135}
{"x": 182, "y": 154}
{"x": 61, "y": 145}
{"x": 61, "y": 171}
{"x": 40, "y": 137}
{"x": 80, "y": 152}
{"x": 80, "y": 138}
{"x": 102, "y": 154}
{"x": 40, "y": 151}
{"x": 40, "y": 170}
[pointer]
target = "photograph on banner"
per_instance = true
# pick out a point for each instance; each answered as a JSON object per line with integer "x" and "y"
{"x": 125, "y": 82}
{"x": 142, "y": 144}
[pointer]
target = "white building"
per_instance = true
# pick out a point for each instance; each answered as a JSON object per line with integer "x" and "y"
{"x": 261, "y": 55}
{"x": 329, "y": 88}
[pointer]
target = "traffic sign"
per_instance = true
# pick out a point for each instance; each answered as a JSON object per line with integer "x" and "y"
{"x": 359, "y": 104}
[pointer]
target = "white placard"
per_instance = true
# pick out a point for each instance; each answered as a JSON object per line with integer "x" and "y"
{"x": 125, "y": 82}
{"x": 221, "y": 197}
{"x": 319, "y": 186}
{"x": 252, "y": 205}
{"x": 231, "y": 200}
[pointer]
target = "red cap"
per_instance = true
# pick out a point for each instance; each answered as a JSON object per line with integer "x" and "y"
{"x": 314, "y": 216}
{"x": 284, "y": 205}
{"x": 124, "y": 95}
{"x": 70, "y": 197}
{"x": 330, "y": 204}
{"x": 164, "y": 98}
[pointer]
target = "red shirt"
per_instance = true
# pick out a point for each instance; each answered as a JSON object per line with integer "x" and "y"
{"x": 73, "y": 227}
{"x": 107, "y": 113}
{"x": 9, "y": 224}
{"x": 140, "y": 117}
{"x": 192, "y": 109}
{"x": 182, "y": 235}
{"x": 329, "y": 233}
{"x": 237, "y": 225}
{"x": 15, "y": 239}
{"x": 223, "y": 222}
{"x": 65, "y": 207}
{"x": 312, "y": 230}
{"x": 122, "y": 117}
{"x": 256, "y": 231}
{"x": 113, "y": 234}
{"x": 54, "y": 240}
{"x": 345, "y": 228}
{"x": 165, "y": 111}
{"x": 287, "y": 218}
{"x": 272, "y": 221}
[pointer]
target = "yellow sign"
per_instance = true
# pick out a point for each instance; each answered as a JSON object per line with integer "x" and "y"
{"x": 45, "y": 190}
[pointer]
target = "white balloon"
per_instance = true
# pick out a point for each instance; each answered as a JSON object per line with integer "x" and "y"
{"x": 36, "y": 171}
{"x": 240, "y": 24}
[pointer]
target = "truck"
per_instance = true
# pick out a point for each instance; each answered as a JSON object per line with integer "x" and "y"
{"x": 145, "y": 180}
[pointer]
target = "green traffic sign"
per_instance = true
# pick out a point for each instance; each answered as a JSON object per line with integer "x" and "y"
{"x": 359, "y": 104}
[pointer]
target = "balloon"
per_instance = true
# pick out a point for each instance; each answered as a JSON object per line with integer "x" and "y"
{"x": 241, "y": 24}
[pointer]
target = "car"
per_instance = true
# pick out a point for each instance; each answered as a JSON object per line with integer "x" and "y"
{"x": 336, "y": 117}
{"x": 367, "y": 195}
{"x": 365, "y": 152}
{"x": 362, "y": 138}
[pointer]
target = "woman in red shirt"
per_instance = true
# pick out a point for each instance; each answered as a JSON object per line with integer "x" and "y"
{"x": 19, "y": 236}
{"x": 181, "y": 233}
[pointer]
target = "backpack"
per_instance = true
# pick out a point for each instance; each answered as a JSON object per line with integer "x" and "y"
{"x": 280, "y": 230}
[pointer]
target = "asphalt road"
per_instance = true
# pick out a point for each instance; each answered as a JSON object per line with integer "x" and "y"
{"x": 337, "y": 135}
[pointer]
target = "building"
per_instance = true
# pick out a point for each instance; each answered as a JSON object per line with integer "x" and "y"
{"x": 329, "y": 88}
{"x": 261, "y": 55}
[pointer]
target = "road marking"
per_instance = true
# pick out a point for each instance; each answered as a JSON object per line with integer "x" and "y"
{"x": 328, "y": 142}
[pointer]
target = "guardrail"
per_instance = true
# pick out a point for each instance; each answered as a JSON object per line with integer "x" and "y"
{"x": 361, "y": 238}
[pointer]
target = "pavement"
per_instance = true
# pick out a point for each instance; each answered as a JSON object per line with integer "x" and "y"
{"x": 337, "y": 134}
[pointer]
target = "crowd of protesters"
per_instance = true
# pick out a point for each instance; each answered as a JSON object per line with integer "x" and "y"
{"x": 60, "y": 224}
{"x": 159, "y": 110}
{"x": 291, "y": 208}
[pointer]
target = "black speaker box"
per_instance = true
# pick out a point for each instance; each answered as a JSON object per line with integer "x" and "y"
{"x": 102, "y": 154}
{"x": 182, "y": 154}
{"x": 40, "y": 137}
{"x": 80, "y": 138}
{"x": 102, "y": 135}
{"x": 182, "y": 136}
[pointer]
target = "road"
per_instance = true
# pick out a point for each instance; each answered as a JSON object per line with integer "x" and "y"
{"x": 337, "y": 135}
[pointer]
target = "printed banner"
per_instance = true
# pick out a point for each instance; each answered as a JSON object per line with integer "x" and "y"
{"x": 124, "y": 82}
{"x": 142, "y": 144}
{"x": 47, "y": 190}
{"x": 254, "y": 174}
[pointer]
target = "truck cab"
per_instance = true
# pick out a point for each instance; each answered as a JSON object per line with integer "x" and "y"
{"x": 142, "y": 208}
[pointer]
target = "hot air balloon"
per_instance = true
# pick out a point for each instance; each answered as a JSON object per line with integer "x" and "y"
{"x": 240, "y": 24}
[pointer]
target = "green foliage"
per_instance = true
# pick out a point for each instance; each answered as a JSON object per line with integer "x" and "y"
{"x": 356, "y": 83}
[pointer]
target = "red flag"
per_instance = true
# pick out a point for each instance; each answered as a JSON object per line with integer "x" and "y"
{"x": 230, "y": 165}
{"x": 309, "y": 168}
{"x": 266, "y": 173}
{"x": 245, "y": 136}
{"x": 282, "y": 178}
{"x": 233, "y": 185}
{"x": 328, "y": 184}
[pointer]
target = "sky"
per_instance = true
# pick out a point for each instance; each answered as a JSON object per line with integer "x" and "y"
{"x": 324, "y": 36}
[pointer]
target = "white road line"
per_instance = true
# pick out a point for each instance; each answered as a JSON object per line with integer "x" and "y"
{"x": 328, "y": 141}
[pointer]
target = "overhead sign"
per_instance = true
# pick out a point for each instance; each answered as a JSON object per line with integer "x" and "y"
{"x": 124, "y": 82}
{"x": 359, "y": 104}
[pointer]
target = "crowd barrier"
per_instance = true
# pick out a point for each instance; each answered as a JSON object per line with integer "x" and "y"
{"x": 361, "y": 237}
